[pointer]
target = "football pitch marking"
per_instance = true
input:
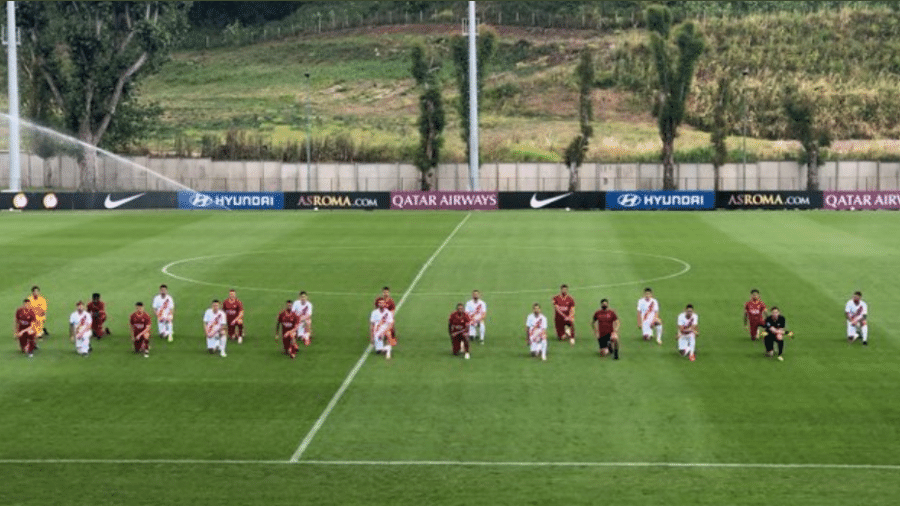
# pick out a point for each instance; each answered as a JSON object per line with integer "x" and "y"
{"x": 685, "y": 267}
{"x": 460, "y": 463}
{"x": 359, "y": 363}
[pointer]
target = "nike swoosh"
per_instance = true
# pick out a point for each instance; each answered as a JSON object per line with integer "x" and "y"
{"x": 112, "y": 204}
{"x": 537, "y": 204}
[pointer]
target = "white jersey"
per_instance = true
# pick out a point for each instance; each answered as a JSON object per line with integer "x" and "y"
{"x": 683, "y": 320}
{"x": 304, "y": 310}
{"x": 856, "y": 311}
{"x": 537, "y": 327}
{"x": 214, "y": 322}
{"x": 164, "y": 306}
{"x": 81, "y": 322}
{"x": 476, "y": 310}
{"x": 648, "y": 309}
{"x": 382, "y": 320}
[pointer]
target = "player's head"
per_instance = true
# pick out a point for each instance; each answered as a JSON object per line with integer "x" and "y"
{"x": 476, "y": 294}
{"x": 648, "y": 293}
{"x": 79, "y": 306}
{"x": 536, "y": 308}
{"x": 232, "y": 294}
{"x": 26, "y": 301}
{"x": 288, "y": 304}
{"x": 35, "y": 290}
{"x": 381, "y": 303}
{"x": 689, "y": 309}
{"x": 139, "y": 307}
{"x": 460, "y": 308}
{"x": 215, "y": 304}
{"x": 95, "y": 297}
{"x": 563, "y": 289}
{"x": 604, "y": 304}
{"x": 775, "y": 311}
{"x": 163, "y": 289}
{"x": 386, "y": 291}
{"x": 303, "y": 296}
{"x": 857, "y": 296}
{"x": 754, "y": 294}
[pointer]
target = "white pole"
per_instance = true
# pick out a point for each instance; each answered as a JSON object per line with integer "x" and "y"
{"x": 12, "y": 64}
{"x": 473, "y": 101}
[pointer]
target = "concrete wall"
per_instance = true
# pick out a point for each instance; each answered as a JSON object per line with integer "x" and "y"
{"x": 142, "y": 173}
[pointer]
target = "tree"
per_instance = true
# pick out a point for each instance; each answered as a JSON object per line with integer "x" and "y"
{"x": 720, "y": 127}
{"x": 486, "y": 46}
{"x": 431, "y": 114}
{"x": 577, "y": 150}
{"x": 675, "y": 65}
{"x": 90, "y": 55}
{"x": 801, "y": 111}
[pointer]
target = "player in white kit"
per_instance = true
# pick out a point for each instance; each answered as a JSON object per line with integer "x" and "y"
{"x": 648, "y": 316}
{"x": 380, "y": 322}
{"x": 687, "y": 332}
{"x": 536, "y": 330}
{"x": 856, "y": 311}
{"x": 80, "y": 329}
{"x": 303, "y": 308}
{"x": 214, "y": 327}
{"x": 477, "y": 310}
{"x": 164, "y": 307}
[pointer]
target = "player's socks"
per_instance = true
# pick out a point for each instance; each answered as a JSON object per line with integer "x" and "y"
{"x": 780, "y": 347}
{"x": 222, "y": 342}
{"x": 865, "y": 333}
{"x": 387, "y": 351}
{"x": 659, "y": 332}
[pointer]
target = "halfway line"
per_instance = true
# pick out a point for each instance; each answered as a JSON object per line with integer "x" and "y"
{"x": 362, "y": 360}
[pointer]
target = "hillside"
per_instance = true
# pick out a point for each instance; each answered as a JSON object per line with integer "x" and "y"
{"x": 364, "y": 105}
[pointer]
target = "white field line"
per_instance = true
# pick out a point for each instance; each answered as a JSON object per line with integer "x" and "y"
{"x": 461, "y": 463}
{"x": 362, "y": 359}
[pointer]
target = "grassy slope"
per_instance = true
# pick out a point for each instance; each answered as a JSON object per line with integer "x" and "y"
{"x": 825, "y": 404}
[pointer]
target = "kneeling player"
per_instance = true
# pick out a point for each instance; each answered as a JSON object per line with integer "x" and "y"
{"x": 606, "y": 330}
{"x": 687, "y": 332}
{"x": 536, "y": 330}
{"x": 214, "y": 329}
{"x": 80, "y": 329}
{"x": 286, "y": 328}
{"x": 25, "y": 331}
{"x": 754, "y": 314}
{"x": 648, "y": 316}
{"x": 381, "y": 323}
{"x": 303, "y": 308}
{"x": 140, "y": 329}
{"x": 234, "y": 316}
{"x": 775, "y": 333}
{"x": 457, "y": 325}
{"x": 856, "y": 312}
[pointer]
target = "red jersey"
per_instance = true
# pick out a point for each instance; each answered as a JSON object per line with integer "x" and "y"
{"x": 232, "y": 309}
{"x": 458, "y": 322}
{"x": 563, "y": 304}
{"x": 388, "y": 303}
{"x": 289, "y": 321}
{"x": 139, "y": 322}
{"x": 605, "y": 319}
{"x": 25, "y": 318}
{"x": 95, "y": 308}
{"x": 754, "y": 309}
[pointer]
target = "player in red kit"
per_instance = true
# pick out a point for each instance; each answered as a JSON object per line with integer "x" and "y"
{"x": 24, "y": 328}
{"x": 286, "y": 329}
{"x": 754, "y": 313}
{"x": 606, "y": 330}
{"x": 234, "y": 316}
{"x": 97, "y": 308}
{"x": 564, "y": 315}
{"x": 458, "y": 327}
{"x": 390, "y": 306}
{"x": 140, "y": 323}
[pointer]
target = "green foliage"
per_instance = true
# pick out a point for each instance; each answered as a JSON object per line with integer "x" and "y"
{"x": 720, "y": 124}
{"x": 431, "y": 114}
{"x": 801, "y": 111}
{"x": 577, "y": 149}
{"x": 485, "y": 49}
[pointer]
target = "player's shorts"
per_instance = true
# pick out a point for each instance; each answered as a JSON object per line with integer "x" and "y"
{"x": 754, "y": 327}
{"x": 473, "y": 329}
{"x": 852, "y": 327}
{"x": 685, "y": 341}
{"x": 381, "y": 343}
{"x": 604, "y": 341}
{"x": 212, "y": 343}
{"x": 165, "y": 328}
{"x": 232, "y": 329}
{"x": 26, "y": 341}
{"x": 647, "y": 327}
{"x": 538, "y": 346}
{"x": 83, "y": 344}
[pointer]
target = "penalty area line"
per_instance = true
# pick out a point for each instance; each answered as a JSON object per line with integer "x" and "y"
{"x": 301, "y": 449}
{"x": 460, "y": 463}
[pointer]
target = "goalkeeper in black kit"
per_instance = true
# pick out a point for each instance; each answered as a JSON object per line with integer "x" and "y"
{"x": 775, "y": 332}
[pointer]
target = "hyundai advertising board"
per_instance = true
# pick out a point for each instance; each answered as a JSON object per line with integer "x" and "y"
{"x": 230, "y": 200}
{"x": 660, "y": 200}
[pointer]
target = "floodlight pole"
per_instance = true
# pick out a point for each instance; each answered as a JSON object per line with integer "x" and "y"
{"x": 473, "y": 101}
{"x": 308, "y": 130}
{"x": 744, "y": 125}
{"x": 12, "y": 64}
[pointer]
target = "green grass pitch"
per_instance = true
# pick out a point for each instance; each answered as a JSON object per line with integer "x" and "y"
{"x": 183, "y": 427}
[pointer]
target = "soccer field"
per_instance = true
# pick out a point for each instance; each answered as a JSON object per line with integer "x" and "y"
{"x": 338, "y": 426}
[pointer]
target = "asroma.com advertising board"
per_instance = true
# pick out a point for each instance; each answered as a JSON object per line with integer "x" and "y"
{"x": 769, "y": 200}
{"x": 660, "y": 200}
{"x": 337, "y": 200}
